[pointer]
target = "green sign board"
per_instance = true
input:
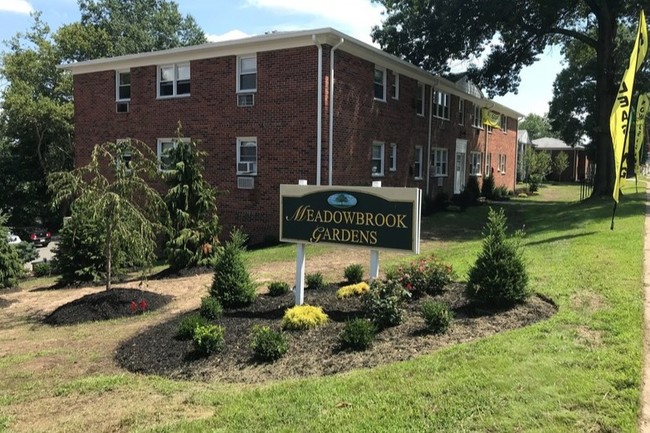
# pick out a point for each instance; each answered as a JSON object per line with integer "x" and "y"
{"x": 378, "y": 218}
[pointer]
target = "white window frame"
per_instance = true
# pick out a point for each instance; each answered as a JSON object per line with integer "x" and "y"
{"x": 159, "y": 149}
{"x": 419, "y": 100}
{"x": 119, "y": 85}
{"x": 395, "y": 86}
{"x": 375, "y": 83}
{"x": 381, "y": 146}
{"x": 418, "y": 164}
{"x": 392, "y": 158}
{"x": 441, "y": 104}
{"x": 246, "y": 142}
{"x": 124, "y": 153}
{"x": 502, "y": 163}
{"x": 504, "y": 123}
{"x": 476, "y": 120}
{"x": 488, "y": 164}
{"x": 175, "y": 80}
{"x": 440, "y": 162}
{"x": 241, "y": 72}
{"x": 461, "y": 111}
{"x": 476, "y": 160}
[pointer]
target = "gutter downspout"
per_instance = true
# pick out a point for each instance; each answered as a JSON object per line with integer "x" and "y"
{"x": 319, "y": 111}
{"x": 429, "y": 138}
{"x": 331, "y": 125}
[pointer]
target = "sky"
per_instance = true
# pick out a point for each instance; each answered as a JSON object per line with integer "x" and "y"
{"x": 232, "y": 19}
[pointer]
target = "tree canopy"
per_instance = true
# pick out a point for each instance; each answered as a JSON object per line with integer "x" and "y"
{"x": 513, "y": 33}
{"x": 537, "y": 126}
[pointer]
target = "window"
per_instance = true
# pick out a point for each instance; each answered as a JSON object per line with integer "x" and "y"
{"x": 380, "y": 83}
{"x": 123, "y": 86}
{"x": 392, "y": 158}
{"x": 475, "y": 161}
{"x": 125, "y": 157}
{"x": 502, "y": 163}
{"x": 504, "y": 123}
{"x": 247, "y": 73}
{"x": 441, "y": 105}
{"x": 417, "y": 165}
{"x": 419, "y": 101}
{"x": 476, "y": 119}
{"x": 165, "y": 145}
{"x": 377, "y": 158}
{"x": 461, "y": 111}
{"x": 174, "y": 80}
{"x": 488, "y": 128}
{"x": 394, "y": 90}
{"x": 439, "y": 163}
{"x": 488, "y": 164}
{"x": 247, "y": 155}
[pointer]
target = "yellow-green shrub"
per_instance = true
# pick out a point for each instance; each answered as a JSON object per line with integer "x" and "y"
{"x": 352, "y": 290}
{"x": 303, "y": 317}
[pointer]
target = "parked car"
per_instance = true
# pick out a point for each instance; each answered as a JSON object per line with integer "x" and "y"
{"x": 37, "y": 235}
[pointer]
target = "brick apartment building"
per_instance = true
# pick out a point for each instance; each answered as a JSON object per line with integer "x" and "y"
{"x": 267, "y": 111}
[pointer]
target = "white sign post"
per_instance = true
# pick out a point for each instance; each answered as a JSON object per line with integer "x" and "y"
{"x": 300, "y": 267}
{"x": 374, "y": 254}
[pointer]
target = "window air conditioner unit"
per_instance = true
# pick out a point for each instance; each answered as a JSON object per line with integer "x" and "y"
{"x": 246, "y": 168}
{"x": 122, "y": 107}
{"x": 246, "y": 100}
{"x": 245, "y": 182}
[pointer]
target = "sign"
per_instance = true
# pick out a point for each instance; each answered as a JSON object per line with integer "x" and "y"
{"x": 377, "y": 218}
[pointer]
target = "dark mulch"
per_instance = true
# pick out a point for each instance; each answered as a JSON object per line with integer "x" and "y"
{"x": 106, "y": 305}
{"x": 315, "y": 352}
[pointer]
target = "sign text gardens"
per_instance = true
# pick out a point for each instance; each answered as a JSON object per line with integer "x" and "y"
{"x": 378, "y": 218}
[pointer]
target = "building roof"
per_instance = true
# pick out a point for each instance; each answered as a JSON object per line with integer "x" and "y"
{"x": 284, "y": 40}
{"x": 549, "y": 143}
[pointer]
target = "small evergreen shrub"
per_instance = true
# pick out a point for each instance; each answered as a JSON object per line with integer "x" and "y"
{"x": 303, "y": 317}
{"x": 498, "y": 277}
{"x": 358, "y": 334}
{"x": 26, "y": 251}
{"x": 437, "y": 316}
{"x": 501, "y": 192}
{"x": 11, "y": 267}
{"x": 353, "y": 273}
{"x": 426, "y": 275}
{"x": 487, "y": 188}
{"x": 472, "y": 190}
{"x": 278, "y": 288}
{"x": 211, "y": 308}
{"x": 232, "y": 284}
{"x": 383, "y": 303}
{"x": 208, "y": 339}
{"x": 43, "y": 269}
{"x": 268, "y": 345}
{"x": 352, "y": 290}
{"x": 187, "y": 326}
{"x": 314, "y": 281}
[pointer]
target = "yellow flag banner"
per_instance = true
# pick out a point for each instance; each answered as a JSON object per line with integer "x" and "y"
{"x": 490, "y": 118}
{"x": 641, "y": 112}
{"x": 619, "y": 120}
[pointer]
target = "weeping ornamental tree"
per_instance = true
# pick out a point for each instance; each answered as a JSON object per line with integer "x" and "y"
{"x": 113, "y": 195}
{"x": 191, "y": 202}
{"x": 514, "y": 33}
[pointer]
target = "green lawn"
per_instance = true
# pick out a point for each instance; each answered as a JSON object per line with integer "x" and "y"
{"x": 579, "y": 371}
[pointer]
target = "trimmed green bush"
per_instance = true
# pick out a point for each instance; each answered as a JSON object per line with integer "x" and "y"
{"x": 42, "y": 269}
{"x": 314, "y": 281}
{"x": 383, "y": 303}
{"x": 425, "y": 275}
{"x": 353, "y": 273}
{"x": 437, "y": 316}
{"x": 487, "y": 188}
{"x": 358, "y": 334}
{"x": 268, "y": 345}
{"x": 499, "y": 277}
{"x": 232, "y": 284}
{"x": 187, "y": 326}
{"x": 208, "y": 339}
{"x": 211, "y": 308}
{"x": 278, "y": 288}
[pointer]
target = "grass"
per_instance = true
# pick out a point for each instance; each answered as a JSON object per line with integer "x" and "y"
{"x": 579, "y": 371}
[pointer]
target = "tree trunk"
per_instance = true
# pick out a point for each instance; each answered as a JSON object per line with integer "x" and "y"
{"x": 605, "y": 92}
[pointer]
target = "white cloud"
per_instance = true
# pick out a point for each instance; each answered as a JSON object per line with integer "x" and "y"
{"x": 355, "y": 17}
{"x": 18, "y": 6}
{"x": 233, "y": 34}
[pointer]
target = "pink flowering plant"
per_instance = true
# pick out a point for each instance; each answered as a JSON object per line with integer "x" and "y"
{"x": 426, "y": 275}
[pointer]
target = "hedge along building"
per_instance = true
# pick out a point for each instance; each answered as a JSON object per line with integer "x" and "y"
{"x": 272, "y": 109}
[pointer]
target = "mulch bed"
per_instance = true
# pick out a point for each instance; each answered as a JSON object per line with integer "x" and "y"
{"x": 106, "y": 305}
{"x": 315, "y": 352}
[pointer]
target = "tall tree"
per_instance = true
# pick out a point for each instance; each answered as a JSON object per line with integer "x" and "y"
{"x": 537, "y": 126}
{"x": 515, "y": 33}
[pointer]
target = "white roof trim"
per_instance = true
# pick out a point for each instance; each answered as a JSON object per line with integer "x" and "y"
{"x": 278, "y": 41}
